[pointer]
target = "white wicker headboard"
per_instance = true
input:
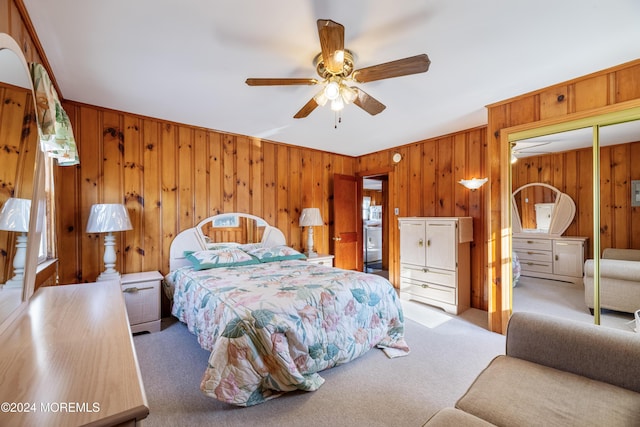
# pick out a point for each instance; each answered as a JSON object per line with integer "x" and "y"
{"x": 192, "y": 239}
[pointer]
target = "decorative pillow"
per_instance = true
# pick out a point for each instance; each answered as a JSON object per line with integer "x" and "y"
{"x": 250, "y": 246}
{"x": 202, "y": 260}
{"x": 276, "y": 253}
{"x": 214, "y": 246}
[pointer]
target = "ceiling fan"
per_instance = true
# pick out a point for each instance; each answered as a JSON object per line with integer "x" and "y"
{"x": 518, "y": 150}
{"x": 335, "y": 66}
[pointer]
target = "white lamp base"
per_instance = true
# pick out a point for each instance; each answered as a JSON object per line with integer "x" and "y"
{"x": 19, "y": 260}
{"x": 110, "y": 273}
{"x": 310, "y": 253}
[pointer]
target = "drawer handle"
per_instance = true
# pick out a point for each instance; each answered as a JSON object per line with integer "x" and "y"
{"x": 424, "y": 286}
{"x": 429, "y": 242}
{"x": 425, "y": 270}
{"x": 420, "y": 242}
{"x": 533, "y": 263}
{"x": 134, "y": 290}
{"x": 557, "y": 258}
{"x": 531, "y": 242}
{"x": 535, "y": 253}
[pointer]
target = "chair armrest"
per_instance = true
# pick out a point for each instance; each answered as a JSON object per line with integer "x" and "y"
{"x": 596, "y": 352}
{"x": 624, "y": 254}
{"x": 615, "y": 269}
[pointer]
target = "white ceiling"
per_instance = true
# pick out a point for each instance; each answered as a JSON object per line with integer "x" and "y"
{"x": 186, "y": 61}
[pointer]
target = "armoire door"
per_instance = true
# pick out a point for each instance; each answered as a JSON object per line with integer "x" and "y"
{"x": 441, "y": 244}
{"x": 412, "y": 242}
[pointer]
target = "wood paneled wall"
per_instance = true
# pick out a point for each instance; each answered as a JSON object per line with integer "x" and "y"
{"x": 13, "y": 23}
{"x": 591, "y": 92}
{"x": 571, "y": 173}
{"x": 170, "y": 177}
{"x": 425, "y": 183}
{"x": 15, "y": 103}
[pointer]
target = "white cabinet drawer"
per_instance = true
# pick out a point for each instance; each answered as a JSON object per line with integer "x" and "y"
{"x": 532, "y": 244}
{"x": 430, "y": 291}
{"x": 143, "y": 301}
{"x": 322, "y": 259}
{"x": 534, "y": 255}
{"x": 142, "y": 297}
{"x": 431, "y": 275}
{"x": 537, "y": 266}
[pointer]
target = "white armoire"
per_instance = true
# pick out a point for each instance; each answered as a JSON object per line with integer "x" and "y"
{"x": 435, "y": 261}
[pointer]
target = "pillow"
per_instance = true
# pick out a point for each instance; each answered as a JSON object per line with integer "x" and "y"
{"x": 250, "y": 246}
{"x": 202, "y": 260}
{"x": 276, "y": 253}
{"x": 214, "y": 246}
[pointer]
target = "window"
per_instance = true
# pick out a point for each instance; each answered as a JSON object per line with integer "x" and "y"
{"x": 47, "y": 248}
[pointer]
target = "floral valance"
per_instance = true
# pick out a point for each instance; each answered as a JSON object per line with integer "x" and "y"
{"x": 56, "y": 135}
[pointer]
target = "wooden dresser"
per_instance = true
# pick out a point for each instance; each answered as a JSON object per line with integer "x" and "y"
{"x": 68, "y": 359}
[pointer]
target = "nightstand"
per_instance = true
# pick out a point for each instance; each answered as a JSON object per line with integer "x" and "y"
{"x": 322, "y": 259}
{"x": 142, "y": 297}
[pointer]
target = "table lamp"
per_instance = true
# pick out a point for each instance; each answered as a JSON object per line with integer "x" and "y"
{"x": 15, "y": 217}
{"x": 107, "y": 218}
{"x": 309, "y": 218}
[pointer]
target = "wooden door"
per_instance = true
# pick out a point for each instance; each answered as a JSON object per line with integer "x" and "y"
{"x": 347, "y": 222}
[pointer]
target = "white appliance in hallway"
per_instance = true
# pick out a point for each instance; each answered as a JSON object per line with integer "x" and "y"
{"x": 373, "y": 235}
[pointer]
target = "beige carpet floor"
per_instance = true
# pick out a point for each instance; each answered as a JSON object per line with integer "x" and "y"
{"x": 447, "y": 353}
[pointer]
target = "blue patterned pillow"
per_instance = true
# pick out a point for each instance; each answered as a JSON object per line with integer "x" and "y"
{"x": 227, "y": 257}
{"x": 276, "y": 253}
{"x": 214, "y": 246}
{"x": 250, "y": 246}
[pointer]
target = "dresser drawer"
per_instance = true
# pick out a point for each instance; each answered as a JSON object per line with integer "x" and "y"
{"x": 429, "y": 290}
{"x": 532, "y": 244}
{"x": 537, "y": 266}
{"x": 534, "y": 255}
{"x": 431, "y": 275}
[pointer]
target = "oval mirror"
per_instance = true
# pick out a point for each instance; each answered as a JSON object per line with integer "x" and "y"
{"x": 18, "y": 156}
{"x": 541, "y": 208}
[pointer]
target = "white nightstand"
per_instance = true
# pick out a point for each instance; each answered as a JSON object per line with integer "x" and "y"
{"x": 142, "y": 297}
{"x": 322, "y": 259}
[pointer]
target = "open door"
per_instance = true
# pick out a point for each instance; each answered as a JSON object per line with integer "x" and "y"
{"x": 347, "y": 220}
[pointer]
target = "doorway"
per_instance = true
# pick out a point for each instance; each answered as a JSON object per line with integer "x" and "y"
{"x": 375, "y": 225}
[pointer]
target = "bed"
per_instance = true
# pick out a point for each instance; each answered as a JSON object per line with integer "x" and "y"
{"x": 271, "y": 320}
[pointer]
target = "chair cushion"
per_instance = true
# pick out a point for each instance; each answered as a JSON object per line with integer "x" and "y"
{"x": 451, "y": 417}
{"x": 516, "y": 392}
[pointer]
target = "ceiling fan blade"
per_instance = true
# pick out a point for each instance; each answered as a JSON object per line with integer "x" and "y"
{"x": 401, "y": 67}
{"x": 367, "y": 102}
{"x": 280, "y": 82}
{"x": 307, "y": 109}
{"x": 332, "y": 43}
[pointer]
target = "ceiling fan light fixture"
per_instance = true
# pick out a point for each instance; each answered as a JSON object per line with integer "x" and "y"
{"x": 337, "y": 104}
{"x": 332, "y": 90}
{"x": 348, "y": 94}
{"x": 320, "y": 98}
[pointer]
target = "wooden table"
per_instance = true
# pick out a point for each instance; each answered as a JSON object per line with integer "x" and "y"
{"x": 68, "y": 359}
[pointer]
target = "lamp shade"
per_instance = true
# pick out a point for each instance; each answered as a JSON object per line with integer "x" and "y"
{"x": 108, "y": 217}
{"x": 473, "y": 183}
{"x": 310, "y": 217}
{"x": 15, "y": 215}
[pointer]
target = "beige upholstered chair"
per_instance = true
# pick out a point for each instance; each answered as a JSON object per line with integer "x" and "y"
{"x": 619, "y": 280}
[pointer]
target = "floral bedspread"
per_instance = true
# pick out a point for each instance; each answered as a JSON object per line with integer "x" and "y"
{"x": 272, "y": 327}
